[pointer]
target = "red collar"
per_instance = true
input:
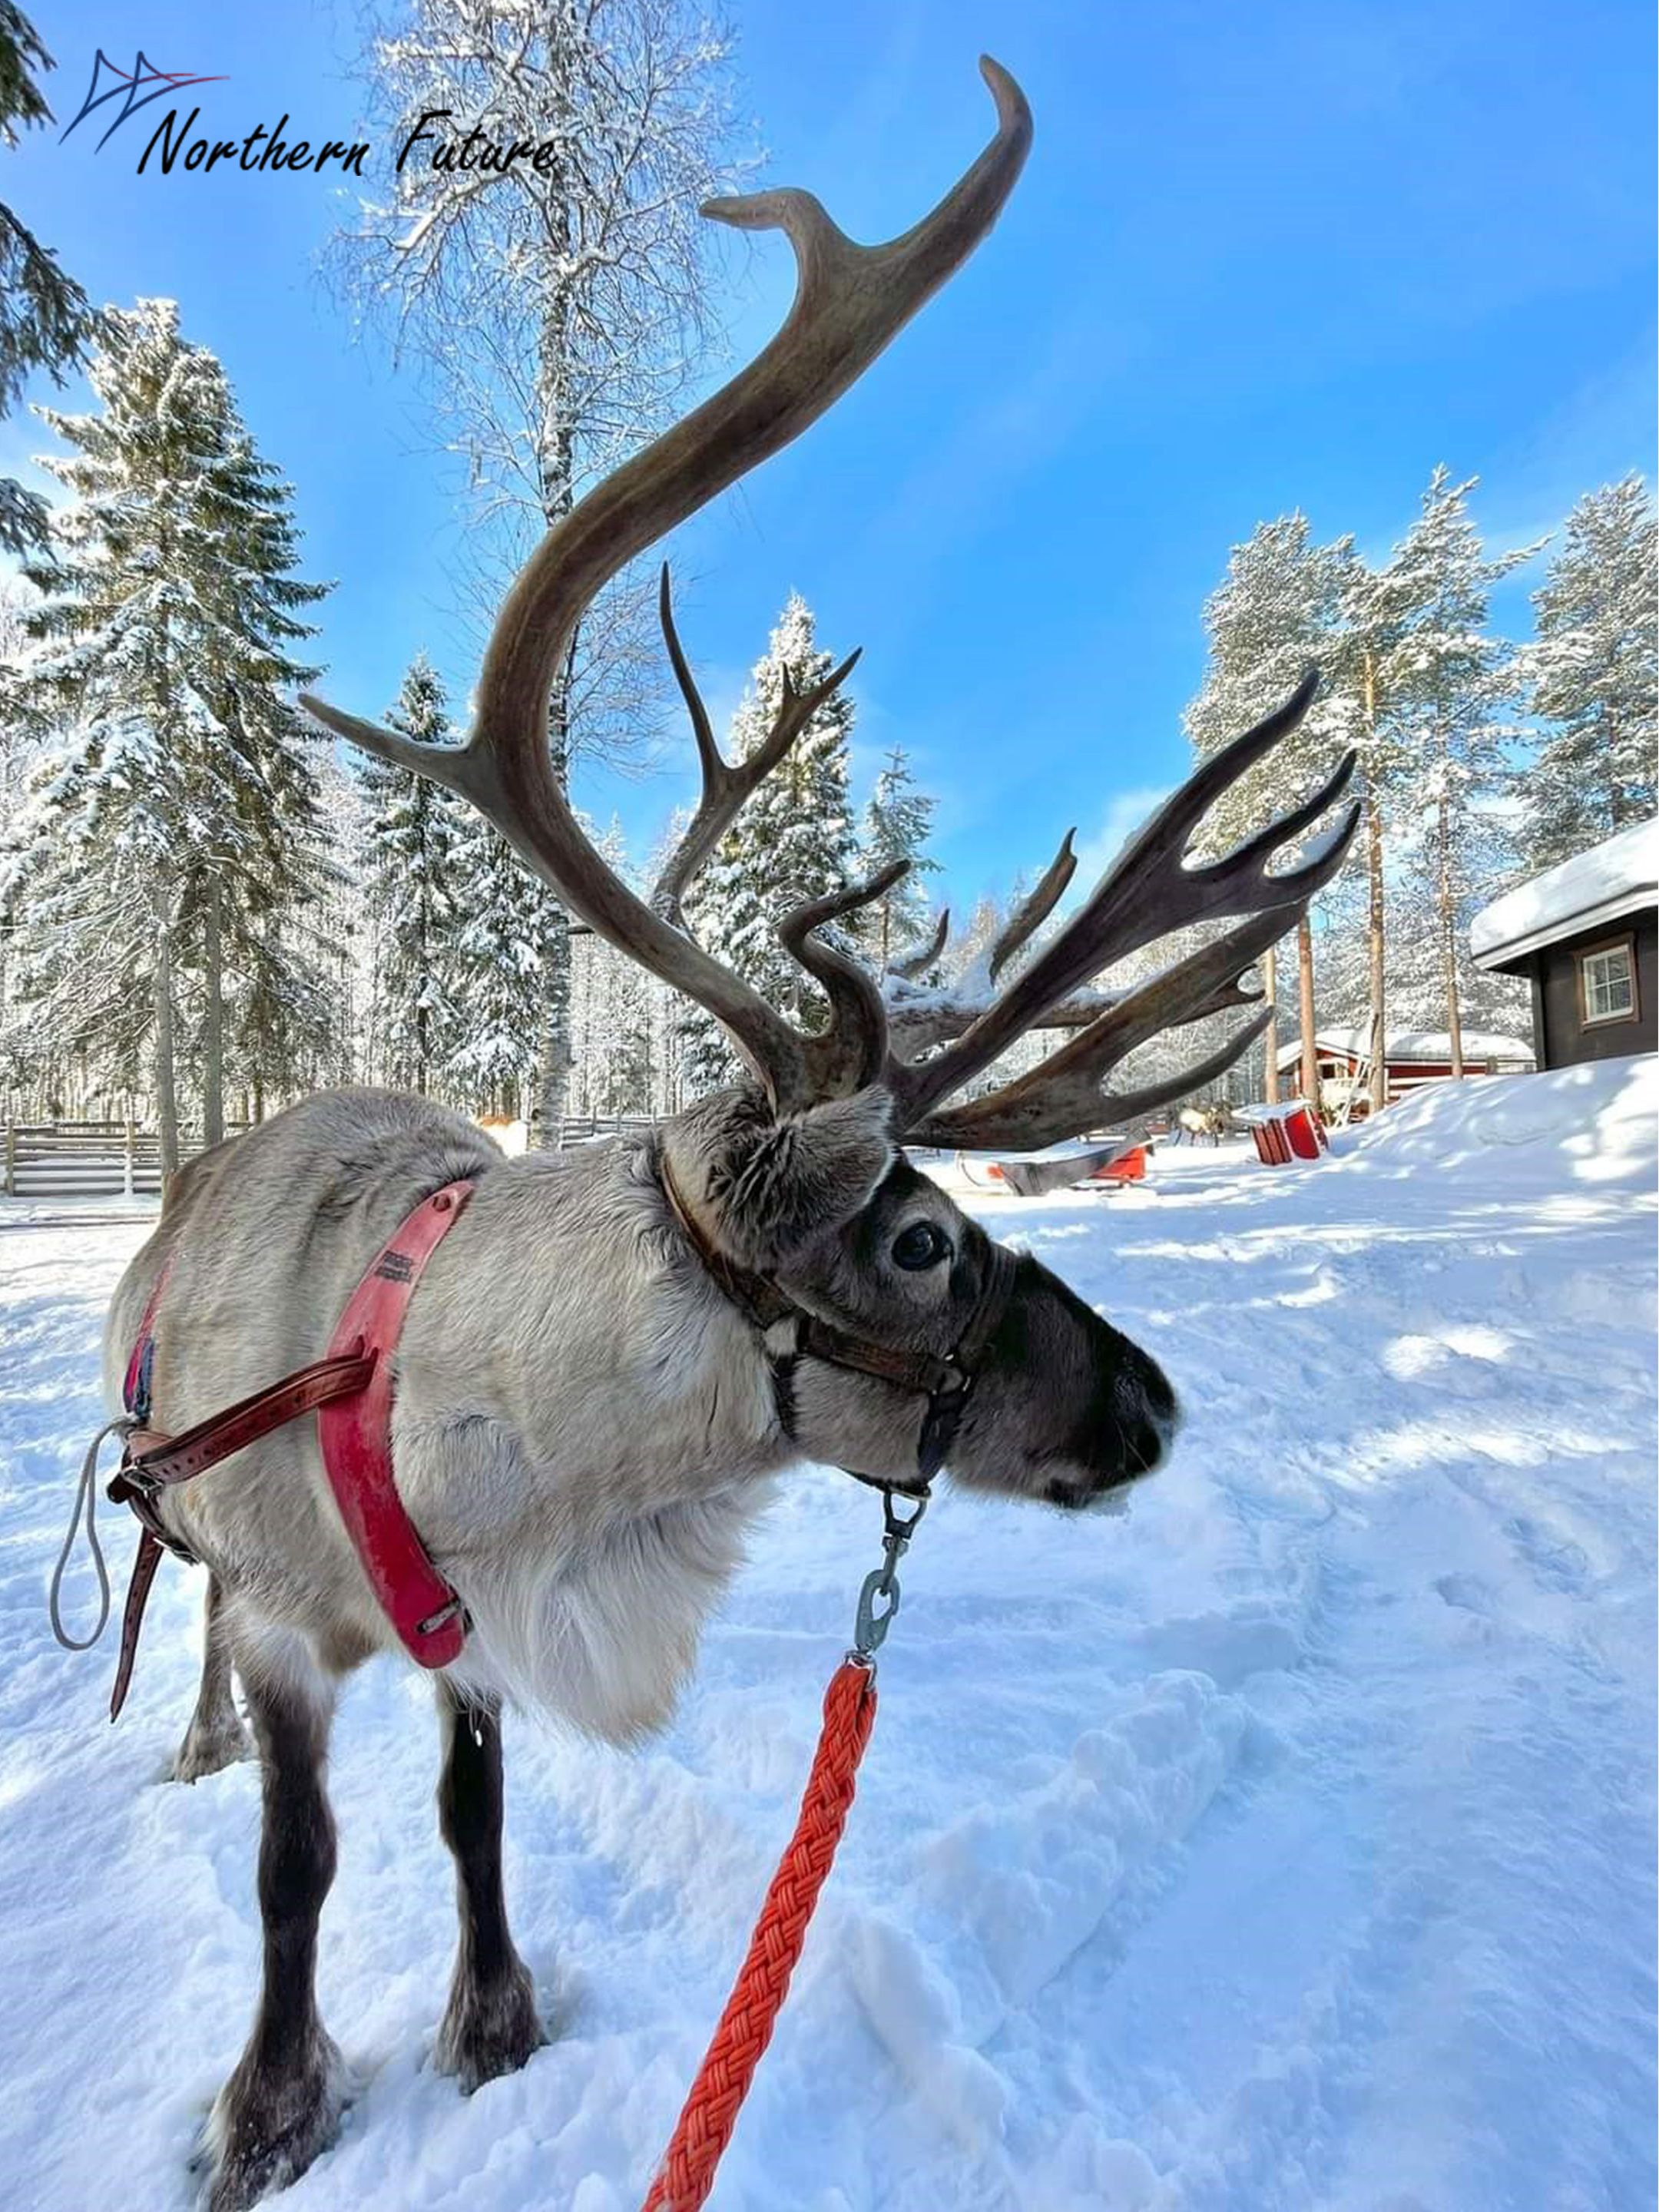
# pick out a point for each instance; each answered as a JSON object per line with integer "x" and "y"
{"x": 356, "y": 1433}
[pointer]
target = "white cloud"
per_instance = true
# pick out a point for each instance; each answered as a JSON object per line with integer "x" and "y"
{"x": 1125, "y": 813}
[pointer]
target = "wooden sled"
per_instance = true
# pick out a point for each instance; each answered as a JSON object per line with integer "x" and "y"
{"x": 1108, "y": 1164}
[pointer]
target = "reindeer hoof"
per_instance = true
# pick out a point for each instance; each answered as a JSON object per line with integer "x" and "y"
{"x": 266, "y": 2130}
{"x": 487, "y": 2033}
{"x": 208, "y": 1751}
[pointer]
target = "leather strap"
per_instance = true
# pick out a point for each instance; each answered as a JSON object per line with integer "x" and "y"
{"x": 153, "y": 1459}
{"x": 757, "y": 1295}
{"x": 944, "y": 1382}
{"x": 133, "y": 1619}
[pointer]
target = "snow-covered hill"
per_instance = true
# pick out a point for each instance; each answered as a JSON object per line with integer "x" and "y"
{"x": 1285, "y": 1841}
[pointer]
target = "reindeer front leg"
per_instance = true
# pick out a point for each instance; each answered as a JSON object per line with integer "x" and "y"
{"x": 282, "y": 2105}
{"x": 216, "y": 1737}
{"x": 490, "y": 2025}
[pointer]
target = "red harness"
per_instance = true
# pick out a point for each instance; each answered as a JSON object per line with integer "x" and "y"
{"x": 350, "y": 1390}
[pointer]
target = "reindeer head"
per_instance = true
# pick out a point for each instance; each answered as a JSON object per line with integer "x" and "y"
{"x": 900, "y": 1333}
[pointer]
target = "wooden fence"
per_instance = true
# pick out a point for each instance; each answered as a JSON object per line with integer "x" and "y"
{"x": 72, "y": 1159}
{"x": 578, "y": 1128}
{"x": 118, "y": 1160}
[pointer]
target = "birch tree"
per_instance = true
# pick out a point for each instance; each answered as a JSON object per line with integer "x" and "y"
{"x": 577, "y": 276}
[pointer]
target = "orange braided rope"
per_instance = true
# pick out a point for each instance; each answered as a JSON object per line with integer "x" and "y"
{"x": 704, "y": 2128}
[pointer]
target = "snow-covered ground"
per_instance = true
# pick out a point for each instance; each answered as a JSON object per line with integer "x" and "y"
{"x": 1285, "y": 1842}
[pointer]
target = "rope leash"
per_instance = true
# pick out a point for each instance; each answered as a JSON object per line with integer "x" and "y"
{"x": 686, "y": 2174}
{"x": 86, "y": 1502}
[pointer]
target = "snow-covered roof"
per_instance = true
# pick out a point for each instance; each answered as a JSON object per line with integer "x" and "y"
{"x": 1613, "y": 879}
{"x": 1405, "y": 1046}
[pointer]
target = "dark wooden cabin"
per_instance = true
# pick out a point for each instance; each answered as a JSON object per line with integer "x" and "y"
{"x": 1586, "y": 936}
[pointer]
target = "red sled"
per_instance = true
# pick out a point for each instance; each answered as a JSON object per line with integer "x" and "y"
{"x": 1289, "y": 1132}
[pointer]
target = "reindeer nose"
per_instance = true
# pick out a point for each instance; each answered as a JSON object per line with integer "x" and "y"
{"x": 1150, "y": 1414}
{"x": 1132, "y": 1422}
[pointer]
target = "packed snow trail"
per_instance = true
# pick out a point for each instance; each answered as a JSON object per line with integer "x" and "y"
{"x": 1283, "y": 1841}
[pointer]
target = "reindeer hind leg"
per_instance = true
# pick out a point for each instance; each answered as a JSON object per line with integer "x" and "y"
{"x": 216, "y": 1737}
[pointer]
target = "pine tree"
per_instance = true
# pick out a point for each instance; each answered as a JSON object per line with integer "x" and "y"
{"x": 174, "y": 832}
{"x": 1276, "y": 612}
{"x": 411, "y": 836}
{"x": 898, "y": 819}
{"x": 793, "y": 841}
{"x": 1593, "y": 674}
{"x": 1453, "y": 730}
{"x": 46, "y": 321}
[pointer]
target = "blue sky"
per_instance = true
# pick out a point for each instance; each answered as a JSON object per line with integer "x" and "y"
{"x": 1283, "y": 255}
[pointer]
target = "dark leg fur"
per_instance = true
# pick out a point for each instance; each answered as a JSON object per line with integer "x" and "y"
{"x": 216, "y": 1737}
{"x": 281, "y": 2106}
{"x": 491, "y": 2025}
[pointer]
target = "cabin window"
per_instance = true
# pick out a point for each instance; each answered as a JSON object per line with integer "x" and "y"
{"x": 1606, "y": 983}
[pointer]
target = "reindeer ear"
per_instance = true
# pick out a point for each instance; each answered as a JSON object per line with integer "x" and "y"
{"x": 763, "y": 1184}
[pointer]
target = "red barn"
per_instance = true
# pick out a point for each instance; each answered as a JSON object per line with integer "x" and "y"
{"x": 1414, "y": 1057}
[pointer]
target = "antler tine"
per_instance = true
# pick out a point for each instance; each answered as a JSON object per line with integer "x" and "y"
{"x": 853, "y": 1051}
{"x": 1033, "y": 912}
{"x": 915, "y": 964}
{"x": 850, "y": 302}
{"x": 1251, "y": 852}
{"x": 1146, "y": 894}
{"x": 1123, "y": 1106}
{"x": 1062, "y": 1097}
{"x": 726, "y": 783}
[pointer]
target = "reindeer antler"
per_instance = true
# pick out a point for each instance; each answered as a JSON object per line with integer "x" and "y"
{"x": 849, "y": 301}
{"x": 1148, "y": 893}
{"x": 728, "y": 784}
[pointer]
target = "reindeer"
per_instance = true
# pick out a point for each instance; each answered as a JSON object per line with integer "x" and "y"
{"x": 618, "y": 1350}
{"x": 1208, "y": 1122}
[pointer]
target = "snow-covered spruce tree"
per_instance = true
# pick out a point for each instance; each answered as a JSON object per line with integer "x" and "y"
{"x": 411, "y": 834}
{"x": 46, "y": 321}
{"x": 898, "y": 820}
{"x": 578, "y": 278}
{"x": 1593, "y": 673}
{"x": 173, "y": 835}
{"x": 793, "y": 841}
{"x": 611, "y": 1015}
{"x": 1275, "y": 612}
{"x": 251, "y": 924}
{"x": 508, "y": 929}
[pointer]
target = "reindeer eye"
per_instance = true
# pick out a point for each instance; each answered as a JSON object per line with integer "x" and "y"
{"x": 920, "y": 1245}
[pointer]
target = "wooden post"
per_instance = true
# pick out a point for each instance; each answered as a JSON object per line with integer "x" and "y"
{"x": 1304, "y": 983}
{"x": 11, "y": 1159}
{"x": 127, "y": 1164}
